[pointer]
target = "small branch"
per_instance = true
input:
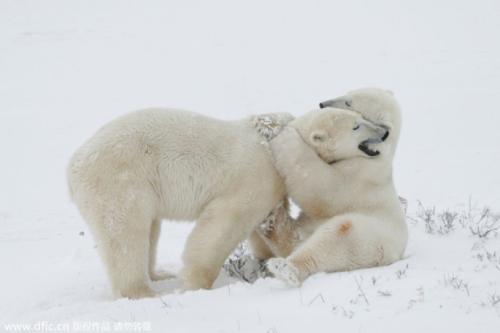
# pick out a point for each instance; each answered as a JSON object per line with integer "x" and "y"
{"x": 361, "y": 291}
{"x": 320, "y": 296}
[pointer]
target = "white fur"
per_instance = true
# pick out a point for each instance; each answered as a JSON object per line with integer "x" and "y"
{"x": 351, "y": 216}
{"x": 168, "y": 164}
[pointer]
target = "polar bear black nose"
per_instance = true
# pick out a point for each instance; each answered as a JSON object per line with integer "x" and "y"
{"x": 322, "y": 105}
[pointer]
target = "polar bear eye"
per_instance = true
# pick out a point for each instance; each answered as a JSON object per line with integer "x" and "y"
{"x": 348, "y": 103}
{"x": 355, "y": 128}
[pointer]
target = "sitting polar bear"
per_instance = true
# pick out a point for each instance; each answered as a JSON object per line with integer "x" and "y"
{"x": 350, "y": 213}
{"x": 168, "y": 164}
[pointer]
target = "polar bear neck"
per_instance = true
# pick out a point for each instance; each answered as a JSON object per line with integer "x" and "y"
{"x": 377, "y": 170}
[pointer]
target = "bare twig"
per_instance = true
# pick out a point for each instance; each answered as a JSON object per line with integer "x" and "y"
{"x": 401, "y": 272}
{"x": 361, "y": 291}
{"x": 495, "y": 299}
{"x": 457, "y": 283}
{"x": 320, "y": 296}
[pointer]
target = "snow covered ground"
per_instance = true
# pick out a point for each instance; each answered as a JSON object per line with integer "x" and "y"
{"x": 68, "y": 67}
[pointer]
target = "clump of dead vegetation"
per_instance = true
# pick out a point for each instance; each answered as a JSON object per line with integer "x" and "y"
{"x": 479, "y": 222}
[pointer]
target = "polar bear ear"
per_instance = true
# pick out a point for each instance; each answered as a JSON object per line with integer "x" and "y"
{"x": 318, "y": 137}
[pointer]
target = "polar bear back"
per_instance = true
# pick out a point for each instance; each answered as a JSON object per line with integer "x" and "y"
{"x": 186, "y": 159}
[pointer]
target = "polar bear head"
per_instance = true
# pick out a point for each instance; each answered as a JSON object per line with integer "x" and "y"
{"x": 376, "y": 105}
{"x": 339, "y": 134}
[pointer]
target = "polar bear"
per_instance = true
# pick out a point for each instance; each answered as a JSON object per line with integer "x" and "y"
{"x": 351, "y": 216}
{"x": 159, "y": 164}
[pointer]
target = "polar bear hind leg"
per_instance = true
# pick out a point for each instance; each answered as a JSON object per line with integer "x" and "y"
{"x": 285, "y": 271}
{"x": 343, "y": 243}
{"x": 120, "y": 214}
{"x": 123, "y": 244}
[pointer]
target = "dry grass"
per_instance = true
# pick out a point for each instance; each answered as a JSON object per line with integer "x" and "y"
{"x": 479, "y": 222}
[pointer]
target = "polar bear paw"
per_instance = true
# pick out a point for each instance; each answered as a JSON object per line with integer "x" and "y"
{"x": 285, "y": 271}
{"x": 269, "y": 224}
{"x": 271, "y": 124}
{"x": 267, "y": 227}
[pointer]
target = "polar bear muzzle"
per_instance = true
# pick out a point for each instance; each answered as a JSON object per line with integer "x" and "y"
{"x": 363, "y": 146}
{"x": 341, "y": 103}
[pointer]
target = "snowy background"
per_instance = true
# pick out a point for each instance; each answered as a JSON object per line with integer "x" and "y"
{"x": 67, "y": 67}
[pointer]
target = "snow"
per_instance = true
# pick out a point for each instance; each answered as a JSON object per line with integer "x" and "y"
{"x": 66, "y": 68}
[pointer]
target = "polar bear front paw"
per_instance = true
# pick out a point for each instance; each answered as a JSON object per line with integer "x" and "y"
{"x": 285, "y": 271}
{"x": 267, "y": 227}
{"x": 271, "y": 124}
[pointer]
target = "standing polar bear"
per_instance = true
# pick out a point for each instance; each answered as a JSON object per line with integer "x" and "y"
{"x": 351, "y": 216}
{"x": 159, "y": 164}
